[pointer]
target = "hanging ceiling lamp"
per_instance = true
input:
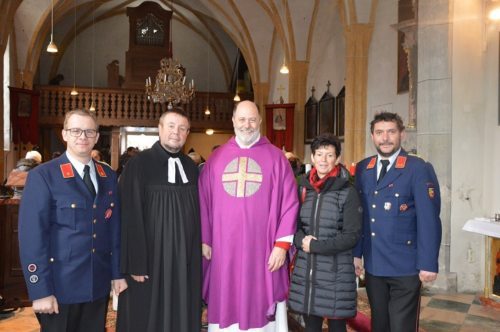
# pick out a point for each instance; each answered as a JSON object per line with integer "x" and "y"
{"x": 74, "y": 92}
{"x": 52, "y": 47}
{"x": 284, "y": 69}
{"x": 92, "y": 105}
{"x": 207, "y": 110}
{"x": 237, "y": 96}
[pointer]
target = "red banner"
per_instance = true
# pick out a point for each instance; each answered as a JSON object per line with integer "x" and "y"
{"x": 24, "y": 106}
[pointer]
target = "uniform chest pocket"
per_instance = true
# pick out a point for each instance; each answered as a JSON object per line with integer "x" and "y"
{"x": 70, "y": 210}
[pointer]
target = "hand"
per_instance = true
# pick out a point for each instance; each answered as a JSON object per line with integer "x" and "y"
{"x": 46, "y": 305}
{"x": 306, "y": 243}
{"x": 358, "y": 266}
{"x": 139, "y": 278}
{"x": 426, "y": 276}
{"x": 276, "y": 259}
{"x": 119, "y": 285}
{"x": 206, "y": 251}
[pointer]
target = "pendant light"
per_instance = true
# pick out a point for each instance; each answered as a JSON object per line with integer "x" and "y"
{"x": 237, "y": 96}
{"x": 92, "y": 105}
{"x": 284, "y": 69}
{"x": 52, "y": 47}
{"x": 74, "y": 92}
{"x": 207, "y": 110}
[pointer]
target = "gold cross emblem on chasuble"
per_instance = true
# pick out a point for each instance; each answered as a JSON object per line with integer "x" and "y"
{"x": 242, "y": 177}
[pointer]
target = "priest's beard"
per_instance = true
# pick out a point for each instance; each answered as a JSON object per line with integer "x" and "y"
{"x": 247, "y": 136}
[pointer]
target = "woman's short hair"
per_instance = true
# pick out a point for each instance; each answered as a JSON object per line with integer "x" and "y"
{"x": 326, "y": 139}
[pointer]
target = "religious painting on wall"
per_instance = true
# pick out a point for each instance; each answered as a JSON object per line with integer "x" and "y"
{"x": 406, "y": 12}
{"x": 326, "y": 112}
{"x": 403, "y": 71}
{"x": 24, "y": 104}
{"x": 310, "y": 119}
{"x": 279, "y": 119}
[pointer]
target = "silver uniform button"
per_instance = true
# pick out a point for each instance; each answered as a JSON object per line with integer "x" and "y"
{"x": 73, "y": 205}
{"x": 373, "y": 233}
{"x": 376, "y": 192}
{"x": 373, "y": 220}
{"x": 409, "y": 242}
{"x": 374, "y": 206}
{"x": 112, "y": 204}
{"x": 51, "y": 259}
{"x": 396, "y": 194}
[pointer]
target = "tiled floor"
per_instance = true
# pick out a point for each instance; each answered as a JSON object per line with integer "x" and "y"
{"x": 440, "y": 312}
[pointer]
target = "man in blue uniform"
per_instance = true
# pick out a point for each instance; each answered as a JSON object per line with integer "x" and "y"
{"x": 69, "y": 233}
{"x": 401, "y": 227}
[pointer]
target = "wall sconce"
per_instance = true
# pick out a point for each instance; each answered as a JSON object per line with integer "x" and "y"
{"x": 52, "y": 47}
{"x": 209, "y": 132}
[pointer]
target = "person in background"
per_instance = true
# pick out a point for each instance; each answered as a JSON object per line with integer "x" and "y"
{"x": 125, "y": 157}
{"x": 249, "y": 204}
{"x": 34, "y": 155}
{"x": 401, "y": 227}
{"x": 195, "y": 156}
{"x": 323, "y": 280}
{"x": 69, "y": 233}
{"x": 96, "y": 155}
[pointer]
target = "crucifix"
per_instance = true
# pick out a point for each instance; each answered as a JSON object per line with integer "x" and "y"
{"x": 280, "y": 89}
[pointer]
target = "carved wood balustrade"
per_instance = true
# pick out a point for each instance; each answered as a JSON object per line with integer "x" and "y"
{"x": 123, "y": 107}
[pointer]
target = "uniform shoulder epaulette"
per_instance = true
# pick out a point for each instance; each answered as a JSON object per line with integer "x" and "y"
{"x": 100, "y": 170}
{"x": 372, "y": 163}
{"x": 415, "y": 155}
{"x": 67, "y": 170}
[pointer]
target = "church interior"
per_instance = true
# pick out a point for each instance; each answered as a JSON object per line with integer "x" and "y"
{"x": 311, "y": 66}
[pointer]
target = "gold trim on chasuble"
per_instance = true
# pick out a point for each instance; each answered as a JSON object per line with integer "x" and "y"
{"x": 242, "y": 177}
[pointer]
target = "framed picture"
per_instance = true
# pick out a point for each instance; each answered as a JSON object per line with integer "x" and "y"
{"x": 279, "y": 119}
{"x": 326, "y": 113}
{"x": 310, "y": 120}
{"x": 24, "y": 104}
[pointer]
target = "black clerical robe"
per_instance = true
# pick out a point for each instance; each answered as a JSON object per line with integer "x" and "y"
{"x": 160, "y": 239}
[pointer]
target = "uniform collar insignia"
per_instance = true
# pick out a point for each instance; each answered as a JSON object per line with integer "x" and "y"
{"x": 67, "y": 171}
{"x": 100, "y": 171}
{"x": 372, "y": 163}
{"x": 400, "y": 162}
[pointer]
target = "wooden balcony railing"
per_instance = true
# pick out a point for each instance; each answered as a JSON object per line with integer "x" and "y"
{"x": 122, "y": 107}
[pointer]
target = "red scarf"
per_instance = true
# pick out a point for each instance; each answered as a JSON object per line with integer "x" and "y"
{"x": 318, "y": 183}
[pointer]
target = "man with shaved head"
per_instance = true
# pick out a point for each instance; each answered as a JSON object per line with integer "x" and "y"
{"x": 248, "y": 205}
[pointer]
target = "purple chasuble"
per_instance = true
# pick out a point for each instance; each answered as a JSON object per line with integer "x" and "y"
{"x": 248, "y": 200}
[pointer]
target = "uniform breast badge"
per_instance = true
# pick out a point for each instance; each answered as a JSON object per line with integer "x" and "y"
{"x": 32, "y": 268}
{"x": 403, "y": 207}
{"x": 108, "y": 214}
{"x": 431, "y": 192}
{"x": 387, "y": 206}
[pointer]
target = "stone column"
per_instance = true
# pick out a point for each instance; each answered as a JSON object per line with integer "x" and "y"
{"x": 261, "y": 97}
{"x": 358, "y": 38}
{"x": 297, "y": 83}
{"x": 115, "y": 147}
{"x": 435, "y": 113}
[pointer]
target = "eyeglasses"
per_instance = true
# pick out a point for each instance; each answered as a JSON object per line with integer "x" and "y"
{"x": 77, "y": 132}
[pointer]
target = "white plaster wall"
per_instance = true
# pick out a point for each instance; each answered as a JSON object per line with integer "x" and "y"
{"x": 476, "y": 139}
{"x": 112, "y": 41}
{"x": 26, "y": 18}
{"x": 382, "y": 69}
{"x": 327, "y": 62}
{"x": 468, "y": 143}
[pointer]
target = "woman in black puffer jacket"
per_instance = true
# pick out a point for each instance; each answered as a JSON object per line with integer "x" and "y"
{"x": 323, "y": 280}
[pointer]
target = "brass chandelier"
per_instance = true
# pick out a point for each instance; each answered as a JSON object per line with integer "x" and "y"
{"x": 169, "y": 85}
